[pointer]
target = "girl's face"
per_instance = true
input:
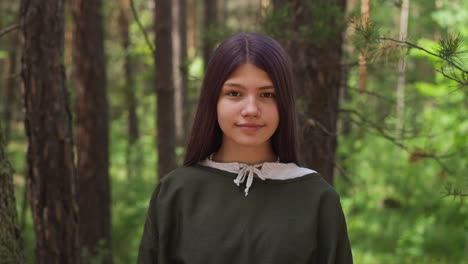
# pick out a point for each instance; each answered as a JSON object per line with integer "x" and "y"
{"x": 247, "y": 109}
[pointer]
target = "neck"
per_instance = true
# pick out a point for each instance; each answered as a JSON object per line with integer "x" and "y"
{"x": 246, "y": 155}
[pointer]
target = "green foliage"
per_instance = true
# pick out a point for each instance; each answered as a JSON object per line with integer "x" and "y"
{"x": 449, "y": 47}
{"x": 3, "y": 54}
{"x": 395, "y": 209}
{"x": 404, "y": 197}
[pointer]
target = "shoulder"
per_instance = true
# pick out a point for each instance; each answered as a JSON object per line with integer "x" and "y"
{"x": 185, "y": 176}
{"x": 322, "y": 190}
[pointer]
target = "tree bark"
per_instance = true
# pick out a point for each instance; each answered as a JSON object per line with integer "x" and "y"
{"x": 92, "y": 129}
{"x": 164, "y": 88}
{"x": 210, "y": 20}
{"x": 11, "y": 244}
{"x": 401, "y": 69}
{"x": 51, "y": 172}
{"x": 362, "y": 83}
{"x": 179, "y": 36}
{"x": 192, "y": 30}
{"x": 314, "y": 43}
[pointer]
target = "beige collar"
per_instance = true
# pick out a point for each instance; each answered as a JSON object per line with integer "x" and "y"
{"x": 265, "y": 170}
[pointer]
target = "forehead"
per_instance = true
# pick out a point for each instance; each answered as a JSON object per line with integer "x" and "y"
{"x": 249, "y": 74}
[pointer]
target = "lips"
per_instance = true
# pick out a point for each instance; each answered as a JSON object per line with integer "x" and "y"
{"x": 250, "y": 126}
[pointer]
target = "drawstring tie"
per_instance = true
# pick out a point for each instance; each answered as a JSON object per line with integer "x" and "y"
{"x": 248, "y": 171}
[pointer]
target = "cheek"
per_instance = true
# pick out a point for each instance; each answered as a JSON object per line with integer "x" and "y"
{"x": 274, "y": 116}
{"x": 222, "y": 113}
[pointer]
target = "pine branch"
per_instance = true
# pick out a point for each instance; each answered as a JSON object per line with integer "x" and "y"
{"x": 9, "y": 29}
{"x": 384, "y": 133}
{"x": 412, "y": 45}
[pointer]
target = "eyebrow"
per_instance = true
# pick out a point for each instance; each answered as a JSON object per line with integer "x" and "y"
{"x": 243, "y": 87}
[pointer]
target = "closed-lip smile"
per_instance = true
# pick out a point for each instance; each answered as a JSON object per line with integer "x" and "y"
{"x": 250, "y": 125}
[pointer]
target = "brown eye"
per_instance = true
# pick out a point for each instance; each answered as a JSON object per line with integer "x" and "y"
{"x": 268, "y": 95}
{"x": 233, "y": 93}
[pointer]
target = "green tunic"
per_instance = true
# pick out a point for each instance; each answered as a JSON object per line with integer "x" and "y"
{"x": 197, "y": 215}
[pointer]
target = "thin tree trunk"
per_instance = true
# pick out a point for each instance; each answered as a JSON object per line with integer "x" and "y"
{"x": 210, "y": 20}
{"x": 177, "y": 60}
{"x": 401, "y": 69}
{"x": 180, "y": 69}
{"x": 11, "y": 244}
{"x": 92, "y": 130}
{"x": 317, "y": 68}
{"x": 183, "y": 29}
{"x": 51, "y": 172}
{"x": 132, "y": 154}
{"x": 164, "y": 88}
{"x": 132, "y": 120}
{"x": 192, "y": 35}
{"x": 344, "y": 124}
{"x": 362, "y": 83}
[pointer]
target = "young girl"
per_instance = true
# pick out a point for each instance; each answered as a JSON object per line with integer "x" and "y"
{"x": 241, "y": 197}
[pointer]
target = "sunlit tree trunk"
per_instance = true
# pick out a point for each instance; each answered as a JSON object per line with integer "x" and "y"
{"x": 192, "y": 27}
{"x": 164, "y": 87}
{"x": 51, "y": 172}
{"x": 179, "y": 38}
{"x": 362, "y": 83}
{"x": 93, "y": 128}
{"x": 401, "y": 68}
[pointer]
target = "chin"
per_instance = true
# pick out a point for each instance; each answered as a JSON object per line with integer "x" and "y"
{"x": 251, "y": 143}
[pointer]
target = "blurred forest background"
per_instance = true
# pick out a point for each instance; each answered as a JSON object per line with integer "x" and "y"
{"x": 107, "y": 89}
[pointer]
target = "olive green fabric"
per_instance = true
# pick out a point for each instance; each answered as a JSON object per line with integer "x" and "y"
{"x": 197, "y": 215}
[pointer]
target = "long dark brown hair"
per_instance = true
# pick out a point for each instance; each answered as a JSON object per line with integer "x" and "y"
{"x": 266, "y": 54}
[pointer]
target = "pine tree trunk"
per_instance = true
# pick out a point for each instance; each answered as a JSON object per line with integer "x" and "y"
{"x": 183, "y": 69}
{"x": 51, "y": 172}
{"x": 179, "y": 38}
{"x": 130, "y": 100}
{"x": 11, "y": 249}
{"x": 362, "y": 83}
{"x": 210, "y": 20}
{"x": 93, "y": 129}
{"x": 315, "y": 47}
{"x": 192, "y": 30}
{"x": 164, "y": 88}
{"x": 402, "y": 69}
{"x": 132, "y": 154}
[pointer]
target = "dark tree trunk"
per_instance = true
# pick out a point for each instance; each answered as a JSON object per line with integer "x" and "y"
{"x": 315, "y": 47}
{"x": 130, "y": 100}
{"x": 210, "y": 20}
{"x": 183, "y": 30}
{"x": 164, "y": 88}
{"x": 93, "y": 128}
{"x": 11, "y": 249}
{"x": 51, "y": 172}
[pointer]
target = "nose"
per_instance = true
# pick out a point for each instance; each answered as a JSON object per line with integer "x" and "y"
{"x": 250, "y": 107}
